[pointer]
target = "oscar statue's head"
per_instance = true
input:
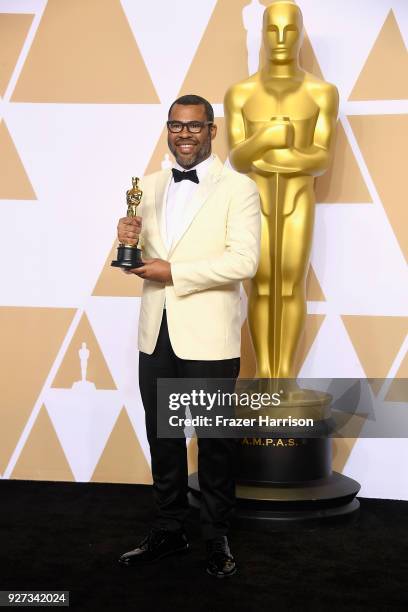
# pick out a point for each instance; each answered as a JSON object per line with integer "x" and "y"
{"x": 282, "y": 31}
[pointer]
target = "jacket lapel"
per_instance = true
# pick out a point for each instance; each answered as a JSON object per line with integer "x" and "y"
{"x": 162, "y": 184}
{"x": 204, "y": 190}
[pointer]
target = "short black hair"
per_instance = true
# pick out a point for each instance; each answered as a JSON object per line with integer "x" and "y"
{"x": 192, "y": 99}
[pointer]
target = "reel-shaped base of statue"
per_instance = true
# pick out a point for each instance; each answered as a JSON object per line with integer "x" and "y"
{"x": 128, "y": 257}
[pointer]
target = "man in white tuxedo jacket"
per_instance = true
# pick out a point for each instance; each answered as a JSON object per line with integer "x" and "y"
{"x": 199, "y": 226}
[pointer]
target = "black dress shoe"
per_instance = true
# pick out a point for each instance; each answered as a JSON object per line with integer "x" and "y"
{"x": 157, "y": 544}
{"x": 220, "y": 562}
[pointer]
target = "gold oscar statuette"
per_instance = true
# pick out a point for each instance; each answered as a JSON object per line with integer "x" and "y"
{"x": 280, "y": 123}
{"x": 130, "y": 256}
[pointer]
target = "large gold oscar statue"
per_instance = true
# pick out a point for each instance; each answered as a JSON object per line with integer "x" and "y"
{"x": 280, "y": 124}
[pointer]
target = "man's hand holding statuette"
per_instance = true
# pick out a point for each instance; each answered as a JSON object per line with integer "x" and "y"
{"x": 129, "y": 229}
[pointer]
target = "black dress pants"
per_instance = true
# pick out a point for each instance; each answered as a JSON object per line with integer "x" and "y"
{"x": 216, "y": 457}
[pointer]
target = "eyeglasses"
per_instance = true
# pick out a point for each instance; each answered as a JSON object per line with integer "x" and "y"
{"x": 194, "y": 127}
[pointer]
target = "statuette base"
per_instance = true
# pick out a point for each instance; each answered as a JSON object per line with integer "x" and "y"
{"x": 128, "y": 257}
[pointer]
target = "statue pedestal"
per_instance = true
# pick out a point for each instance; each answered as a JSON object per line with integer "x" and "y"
{"x": 283, "y": 503}
{"x": 289, "y": 479}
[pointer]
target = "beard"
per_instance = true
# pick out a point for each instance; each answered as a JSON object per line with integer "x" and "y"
{"x": 189, "y": 161}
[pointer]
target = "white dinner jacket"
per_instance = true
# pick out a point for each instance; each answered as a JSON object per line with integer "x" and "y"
{"x": 217, "y": 246}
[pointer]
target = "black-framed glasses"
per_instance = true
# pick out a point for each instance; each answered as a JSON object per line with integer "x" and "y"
{"x": 194, "y": 127}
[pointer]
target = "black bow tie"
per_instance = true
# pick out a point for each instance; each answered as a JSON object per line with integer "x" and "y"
{"x": 187, "y": 175}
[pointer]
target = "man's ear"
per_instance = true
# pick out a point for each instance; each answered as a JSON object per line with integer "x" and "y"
{"x": 213, "y": 131}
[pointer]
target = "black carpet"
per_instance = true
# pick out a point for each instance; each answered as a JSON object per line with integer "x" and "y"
{"x": 68, "y": 536}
